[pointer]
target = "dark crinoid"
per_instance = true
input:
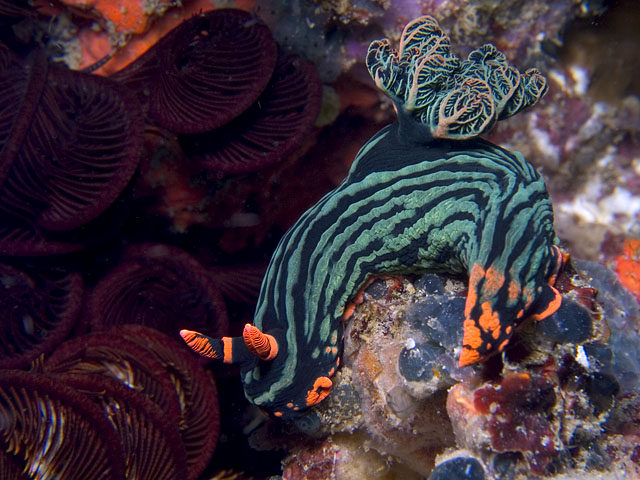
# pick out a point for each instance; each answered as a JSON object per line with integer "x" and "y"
{"x": 38, "y": 312}
{"x": 218, "y": 80}
{"x": 172, "y": 410}
{"x": 212, "y": 68}
{"x": 123, "y": 360}
{"x": 52, "y": 431}
{"x": 270, "y": 129}
{"x": 69, "y": 144}
{"x": 205, "y": 72}
{"x": 151, "y": 443}
{"x": 10, "y": 467}
{"x": 199, "y": 417}
{"x": 157, "y": 286}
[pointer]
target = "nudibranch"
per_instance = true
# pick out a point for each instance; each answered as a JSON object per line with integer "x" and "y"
{"x": 425, "y": 194}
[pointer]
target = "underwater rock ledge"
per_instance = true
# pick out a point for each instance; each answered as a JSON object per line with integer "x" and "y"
{"x": 563, "y": 400}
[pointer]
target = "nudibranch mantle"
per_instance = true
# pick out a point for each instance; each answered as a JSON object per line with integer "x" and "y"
{"x": 419, "y": 197}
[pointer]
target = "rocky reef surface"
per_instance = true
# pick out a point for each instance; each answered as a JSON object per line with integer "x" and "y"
{"x": 561, "y": 402}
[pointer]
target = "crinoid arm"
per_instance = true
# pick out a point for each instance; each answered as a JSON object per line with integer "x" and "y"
{"x": 452, "y": 99}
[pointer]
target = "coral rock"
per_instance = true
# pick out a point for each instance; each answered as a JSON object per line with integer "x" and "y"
{"x": 510, "y": 417}
{"x": 342, "y": 457}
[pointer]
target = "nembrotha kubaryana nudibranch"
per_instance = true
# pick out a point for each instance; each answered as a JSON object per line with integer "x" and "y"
{"x": 425, "y": 194}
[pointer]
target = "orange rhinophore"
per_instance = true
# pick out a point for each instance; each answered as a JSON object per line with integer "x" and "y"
{"x": 198, "y": 343}
{"x": 262, "y": 345}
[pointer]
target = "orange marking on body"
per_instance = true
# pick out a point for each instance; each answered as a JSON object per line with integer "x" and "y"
{"x": 514, "y": 290}
{"x": 477, "y": 272}
{"x": 503, "y": 344}
{"x": 468, "y": 357}
{"x": 357, "y": 299}
{"x": 520, "y": 314}
{"x": 188, "y": 336}
{"x": 508, "y": 330}
{"x": 529, "y": 295}
{"x": 334, "y": 350}
{"x": 227, "y": 345}
{"x": 290, "y": 405}
{"x": 348, "y": 310}
{"x": 321, "y": 388}
{"x": 471, "y": 334}
{"x": 200, "y": 345}
{"x": 489, "y": 320}
{"x": 327, "y": 350}
{"x": 331, "y": 372}
{"x": 551, "y": 308}
{"x": 277, "y": 414}
{"x": 262, "y": 345}
{"x": 563, "y": 258}
{"x": 493, "y": 280}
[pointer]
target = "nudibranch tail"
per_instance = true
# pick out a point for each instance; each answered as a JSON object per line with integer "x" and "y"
{"x": 453, "y": 99}
{"x": 497, "y": 304}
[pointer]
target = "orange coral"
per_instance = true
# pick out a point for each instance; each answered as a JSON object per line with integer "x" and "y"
{"x": 628, "y": 266}
{"x": 129, "y": 16}
{"x": 145, "y": 25}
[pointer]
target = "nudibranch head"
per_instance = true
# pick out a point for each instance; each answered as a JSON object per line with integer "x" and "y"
{"x": 260, "y": 358}
{"x": 451, "y": 98}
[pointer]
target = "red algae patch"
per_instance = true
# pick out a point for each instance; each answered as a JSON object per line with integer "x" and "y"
{"x": 628, "y": 266}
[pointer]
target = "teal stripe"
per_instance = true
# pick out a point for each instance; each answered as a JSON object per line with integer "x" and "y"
{"x": 325, "y": 257}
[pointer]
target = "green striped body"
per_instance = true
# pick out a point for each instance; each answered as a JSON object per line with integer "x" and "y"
{"x": 423, "y": 195}
{"x": 405, "y": 207}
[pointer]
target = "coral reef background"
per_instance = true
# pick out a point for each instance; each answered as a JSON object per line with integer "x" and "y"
{"x": 180, "y": 234}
